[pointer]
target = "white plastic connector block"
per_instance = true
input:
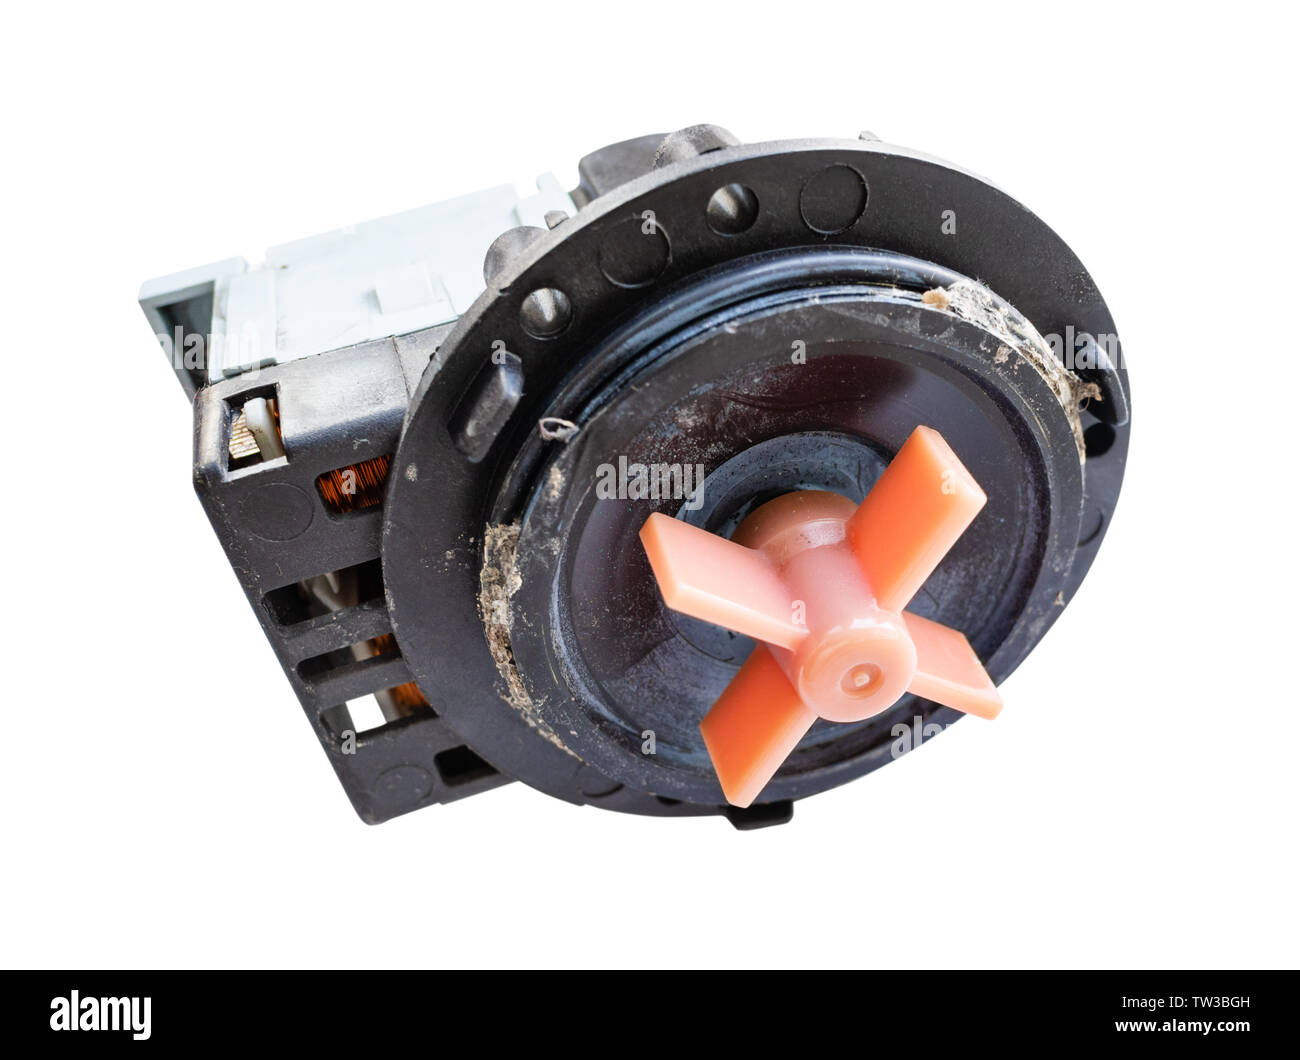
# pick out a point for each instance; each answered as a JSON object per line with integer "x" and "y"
{"x": 380, "y": 279}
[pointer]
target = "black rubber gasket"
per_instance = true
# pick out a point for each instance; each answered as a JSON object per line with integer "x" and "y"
{"x": 898, "y": 363}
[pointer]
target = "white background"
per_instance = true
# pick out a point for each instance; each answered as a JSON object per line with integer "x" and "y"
{"x": 164, "y": 801}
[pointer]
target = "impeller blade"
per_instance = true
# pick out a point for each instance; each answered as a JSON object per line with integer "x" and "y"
{"x": 754, "y": 725}
{"x": 711, "y": 578}
{"x": 948, "y": 671}
{"x": 913, "y": 515}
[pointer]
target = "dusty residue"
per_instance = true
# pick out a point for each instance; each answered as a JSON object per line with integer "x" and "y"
{"x": 936, "y": 297}
{"x": 498, "y": 581}
{"x": 973, "y": 302}
{"x": 554, "y": 483}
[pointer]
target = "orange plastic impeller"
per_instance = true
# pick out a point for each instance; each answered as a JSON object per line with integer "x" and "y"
{"x": 823, "y": 585}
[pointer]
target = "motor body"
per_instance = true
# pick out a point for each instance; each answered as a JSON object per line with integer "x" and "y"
{"x": 431, "y": 482}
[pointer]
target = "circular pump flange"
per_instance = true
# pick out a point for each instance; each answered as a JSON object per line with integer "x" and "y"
{"x": 729, "y": 328}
